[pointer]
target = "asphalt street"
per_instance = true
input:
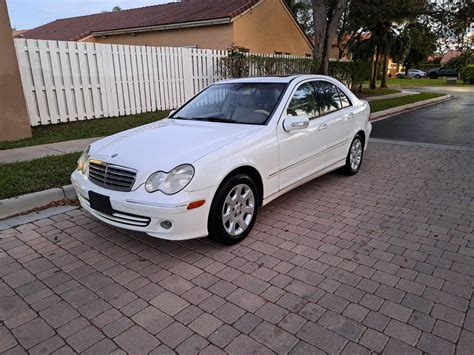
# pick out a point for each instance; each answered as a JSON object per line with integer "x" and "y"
{"x": 450, "y": 123}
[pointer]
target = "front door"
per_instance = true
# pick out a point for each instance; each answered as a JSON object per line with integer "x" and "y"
{"x": 302, "y": 152}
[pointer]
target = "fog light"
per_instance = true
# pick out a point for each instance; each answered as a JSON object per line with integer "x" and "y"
{"x": 166, "y": 224}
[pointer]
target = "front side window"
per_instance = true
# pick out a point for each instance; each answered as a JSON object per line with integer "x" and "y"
{"x": 244, "y": 103}
{"x": 329, "y": 96}
{"x": 303, "y": 102}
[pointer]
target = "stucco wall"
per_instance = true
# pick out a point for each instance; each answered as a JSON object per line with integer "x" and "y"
{"x": 14, "y": 122}
{"x": 211, "y": 37}
{"x": 269, "y": 28}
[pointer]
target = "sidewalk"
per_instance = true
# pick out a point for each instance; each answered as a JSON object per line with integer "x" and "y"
{"x": 44, "y": 150}
{"x": 392, "y": 96}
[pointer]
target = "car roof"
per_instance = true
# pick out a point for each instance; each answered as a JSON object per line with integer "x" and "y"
{"x": 274, "y": 79}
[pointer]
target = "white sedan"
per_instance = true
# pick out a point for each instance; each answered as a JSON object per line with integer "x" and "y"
{"x": 211, "y": 165}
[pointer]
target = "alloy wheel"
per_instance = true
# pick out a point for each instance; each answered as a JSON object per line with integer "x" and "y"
{"x": 238, "y": 210}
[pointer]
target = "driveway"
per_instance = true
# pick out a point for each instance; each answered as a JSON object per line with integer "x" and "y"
{"x": 382, "y": 261}
{"x": 450, "y": 123}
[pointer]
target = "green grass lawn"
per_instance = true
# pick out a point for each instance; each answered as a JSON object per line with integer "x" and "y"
{"x": 84, "y": 129}
{"x": 385, "y": 104}
{"x": 416, "y": 82}
{"x": 36, "y": 175}
{"x": 366, "y": 92}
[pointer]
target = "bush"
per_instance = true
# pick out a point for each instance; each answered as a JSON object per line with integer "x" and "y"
{"x": 351, "y": 74}
{"x": 467, "y": 74}
{"x": 239, "y": 63}
{"x": 235, "y": 65}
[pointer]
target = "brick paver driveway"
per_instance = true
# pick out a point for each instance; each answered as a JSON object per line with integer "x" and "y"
{"x": 383, "y": 262}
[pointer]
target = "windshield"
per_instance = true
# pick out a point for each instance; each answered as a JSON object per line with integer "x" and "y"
{"x": 245, "y": 103}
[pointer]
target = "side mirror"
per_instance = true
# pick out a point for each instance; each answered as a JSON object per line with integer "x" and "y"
{"x": 293, "y": 123}
{"x": 171, "y": 113}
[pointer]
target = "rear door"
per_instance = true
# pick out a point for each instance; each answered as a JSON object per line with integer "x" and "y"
{"x": 336, "y": 111}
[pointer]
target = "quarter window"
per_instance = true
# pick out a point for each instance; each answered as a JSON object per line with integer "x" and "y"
{"x": 304, "y": 102}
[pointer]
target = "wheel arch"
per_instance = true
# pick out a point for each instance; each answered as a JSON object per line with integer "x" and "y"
{"x": 362, "y": 134}
{"x": 253, "y": 173}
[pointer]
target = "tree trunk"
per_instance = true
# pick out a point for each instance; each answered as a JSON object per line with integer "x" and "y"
{"x": 383, "y": 84}
{"x": 326, "y": 19}
{"x": 320, "y": 27}
{"x": 373, "y": 73}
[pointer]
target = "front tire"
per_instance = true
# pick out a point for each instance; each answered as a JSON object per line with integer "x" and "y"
{"x": 234, "y": 210}
{"x": 355, "y": 155}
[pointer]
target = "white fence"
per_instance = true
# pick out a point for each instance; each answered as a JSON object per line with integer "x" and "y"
{"x": 72, "y": 81}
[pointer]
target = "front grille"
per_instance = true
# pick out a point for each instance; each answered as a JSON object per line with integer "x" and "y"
{"x": 112, "y": 177}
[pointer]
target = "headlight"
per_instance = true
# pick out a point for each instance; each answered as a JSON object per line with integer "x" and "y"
{"x": 83, "y": 162}
{"x": 172, "y": 182}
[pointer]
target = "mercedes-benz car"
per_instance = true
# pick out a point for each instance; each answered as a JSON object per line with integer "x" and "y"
{"x": 208, "y": 168}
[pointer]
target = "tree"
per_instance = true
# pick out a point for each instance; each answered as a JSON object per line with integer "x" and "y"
{"x": 116, "y": 9}
{"x": 450, "y": 20}
{"x": 302, "y": 13}
{"x": 326, "y": 18}
{"x": 381, "y": 21}
{"x": 422, "y": 44}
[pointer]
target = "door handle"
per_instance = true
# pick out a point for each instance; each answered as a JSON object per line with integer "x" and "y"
{"x": 323, "y": 127}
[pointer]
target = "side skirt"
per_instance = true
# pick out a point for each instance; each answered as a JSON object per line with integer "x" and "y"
{"x": 330, "y": 168}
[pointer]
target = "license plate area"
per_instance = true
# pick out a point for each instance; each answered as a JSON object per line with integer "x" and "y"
{"x": 100, "y": 203}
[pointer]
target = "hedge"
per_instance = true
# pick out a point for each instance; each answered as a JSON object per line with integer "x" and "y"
{"x": 240, "y": 64}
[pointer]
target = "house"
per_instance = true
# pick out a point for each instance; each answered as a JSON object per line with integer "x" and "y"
{"x": 449, "y": 55}
{"x": 262, "y": 26}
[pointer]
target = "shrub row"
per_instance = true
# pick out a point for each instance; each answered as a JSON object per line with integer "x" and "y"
{"x": 240, "y": 64}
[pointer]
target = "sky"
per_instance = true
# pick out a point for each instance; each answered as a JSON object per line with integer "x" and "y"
{"x": 26, "y": 14}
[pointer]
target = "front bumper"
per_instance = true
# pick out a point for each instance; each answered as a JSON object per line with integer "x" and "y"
{"x": 141, "y": 211}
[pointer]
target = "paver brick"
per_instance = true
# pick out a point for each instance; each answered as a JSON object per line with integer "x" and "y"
{"x": 205, "y": 324}
{"x": 169, "y": 303}
{"x": 435, "y": 345}
{"x": 274, "y": 337}
{"x": 374, "y": 340}
{"x": 32, "y": 333}
{"x": 316, "y": 275}
{"x": 59, "y": 314}
{"x": 152, "y": 319}
{"x": 402, "y": 331}
{"x": 137, "y": 341}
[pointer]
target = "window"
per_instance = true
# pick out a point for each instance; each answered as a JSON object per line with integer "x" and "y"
{"x": 304, "y": 102}
{"x": 329, "y": 96}
{"x": 245, "y": 103}
{"x": 345, "y": 102}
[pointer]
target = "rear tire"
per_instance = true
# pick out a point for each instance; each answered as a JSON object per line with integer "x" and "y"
{"x": 233, "y": 210}
{"x": 354, "y": 156}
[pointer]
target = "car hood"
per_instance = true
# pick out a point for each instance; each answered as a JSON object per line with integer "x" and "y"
{"x": 165, "y": 144}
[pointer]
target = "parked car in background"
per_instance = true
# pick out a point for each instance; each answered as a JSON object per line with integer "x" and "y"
{"x": 412, "y": 73}
{"x": 210, "y": 166}
{"x": 443, "y": 72}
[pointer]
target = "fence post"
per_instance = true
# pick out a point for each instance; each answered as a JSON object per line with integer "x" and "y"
{"x": 188, "y": 74}
{"x": 14, "y": 123}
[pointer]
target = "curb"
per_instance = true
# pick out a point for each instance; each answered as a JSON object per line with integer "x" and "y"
{"x": 377, "y": 116}
{"x": 12, "y": 206}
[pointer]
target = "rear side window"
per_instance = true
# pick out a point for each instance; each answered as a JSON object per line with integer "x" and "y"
{"x": 303, "y": 102}
{"x": 329, "y": 96}
{"x": 345, "y": 102}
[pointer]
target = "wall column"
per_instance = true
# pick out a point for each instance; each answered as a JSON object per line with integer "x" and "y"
{"x": 14, "y": 122}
